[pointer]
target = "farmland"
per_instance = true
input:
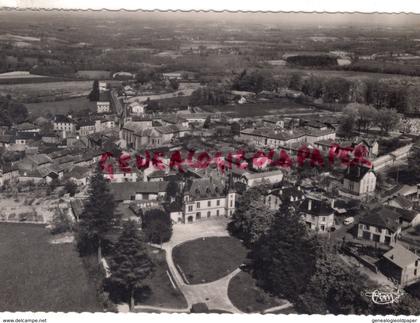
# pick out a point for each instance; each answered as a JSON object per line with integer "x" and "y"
{"x": 60, "y": 107}
{"x": 46, "y": 91}
{"x": 283, "y": 106}
{"x": 39, "y": 276}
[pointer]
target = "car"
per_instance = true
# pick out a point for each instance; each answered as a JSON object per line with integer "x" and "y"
{"x": 348, "y": 220}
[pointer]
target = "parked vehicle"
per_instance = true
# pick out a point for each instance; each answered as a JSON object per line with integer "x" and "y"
{"x": 348, "y": 220}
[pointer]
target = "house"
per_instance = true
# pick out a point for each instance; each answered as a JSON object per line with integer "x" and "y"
{"x": 6, "y": 140}
{"x": 134, "y": 191}
{"x": 85, "y": 127}
{"x": 32, "y": 162}
{"x": 174, "y": 119}
{"x": 64, "y": 123}
{"x": 318, "y": 215}
{"x": 27, "y": 127}
{"x": 8, "y": 174}
{"x": 401, "y": 202}
{"x": 206, "y": 198}
{"x": 136, "y": 108}
{"x": 401, "y": 265}
{"x": 381, "y": 224}
{"x": 79, "y": 175}
{"x": 358, "y": 181}
{"x": 255, "y": 179}
{"x": 103, "y": 105}
{"x": 277, "y": 196}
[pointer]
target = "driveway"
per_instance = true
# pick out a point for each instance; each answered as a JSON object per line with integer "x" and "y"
{"x": 213, "y": 294}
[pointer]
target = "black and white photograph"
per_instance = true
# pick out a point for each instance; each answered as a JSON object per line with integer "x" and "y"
{"x": 209, "y": 162}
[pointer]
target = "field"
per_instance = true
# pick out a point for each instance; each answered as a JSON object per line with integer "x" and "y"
{"x": 46, "y": 91}
{"x": 39, "y": 276}
{"x": 349, "y": 75}
{"x": 60, "y": 107}
{"x": 209, "y": 259}
{"x": 278, "y": 106}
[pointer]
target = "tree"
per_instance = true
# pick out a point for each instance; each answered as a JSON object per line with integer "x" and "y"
{"x": 256, "y": 81}
{"x": 387, "y": 120}
{"x": 98, "y": 217}
{"x": 337, "y": 90}
{"x": 295, "y": 82}
{"x": 94, "y": 94}
{"x": 335, "y": 287}
{"x": 414, "y": 162}
{"x": 207, "y": 122}
{"x": 157, "y": 226}
{"x": 248, "y": 205}
{"x": 130, "y": 263}
{"x": 61, "y": 223}
{"x": 70, "y": 187}
{"x": 347, "y": 123}
{"x": 209, "y": 95}
{"x": 172, "y": 190}
{"x": 174, "y": 84}
{"x": 284, "y": 259}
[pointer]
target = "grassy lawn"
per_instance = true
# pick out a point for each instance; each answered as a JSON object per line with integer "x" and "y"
{"x": 60, "y": 107}
{"x": 163, "y": 294}
{"x": 38, "y": 276}
{"x": 249, "y": 298}
{"x": 208, "y": 259}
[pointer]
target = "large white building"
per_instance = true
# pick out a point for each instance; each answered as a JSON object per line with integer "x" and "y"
{"x": 205, "y": 198}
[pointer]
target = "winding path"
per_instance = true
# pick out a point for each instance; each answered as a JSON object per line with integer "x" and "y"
{"x": 214, "y": 294}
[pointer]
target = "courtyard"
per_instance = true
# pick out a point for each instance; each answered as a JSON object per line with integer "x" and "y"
{"x": 208, "y": 259}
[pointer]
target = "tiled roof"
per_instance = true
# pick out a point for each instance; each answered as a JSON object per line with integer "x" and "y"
{"x": 318, "y": 208}
{"x": 124, "y": 191}
{"x": 401, "y": 256}
{"x": 382, "y": 217}
{"x": 356, "y": 173}
{"x": 201, "y": 188}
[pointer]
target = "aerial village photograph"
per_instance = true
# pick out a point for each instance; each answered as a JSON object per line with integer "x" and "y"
{"x": 209, "y": 162}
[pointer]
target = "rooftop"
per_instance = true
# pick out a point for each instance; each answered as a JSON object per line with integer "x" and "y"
{"x": 400, "y": 256}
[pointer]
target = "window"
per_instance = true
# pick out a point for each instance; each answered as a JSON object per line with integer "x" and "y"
{"x": 231, "y": 203}
{"x": 415, "y": 272}
{"x": 208, "y": 214}
{"x": 217, "y": 213}
{"x": 218, "y": 202}
{"x": 378, "y": 230}
{"x": 209, "y": 203}
{"x": 198, "y": 205}
{"x": 416, "y": 263}
{"x": 323, "y": 219}
{"x": 190, "y": 208}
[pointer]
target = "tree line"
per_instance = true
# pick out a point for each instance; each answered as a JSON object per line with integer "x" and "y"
{"x": 385, "y": 93}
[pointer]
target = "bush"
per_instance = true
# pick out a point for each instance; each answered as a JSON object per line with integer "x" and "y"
{"x": 61, "y": 223}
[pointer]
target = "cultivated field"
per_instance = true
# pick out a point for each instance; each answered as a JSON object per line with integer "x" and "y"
{"x": 39, "y": 276}
{"x": 283, "y": 106}
{"x": 46, "y": 91}
{"x": 60, "y": 107}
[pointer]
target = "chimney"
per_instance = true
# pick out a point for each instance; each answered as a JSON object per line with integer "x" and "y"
{"x": 309, "y": 204}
